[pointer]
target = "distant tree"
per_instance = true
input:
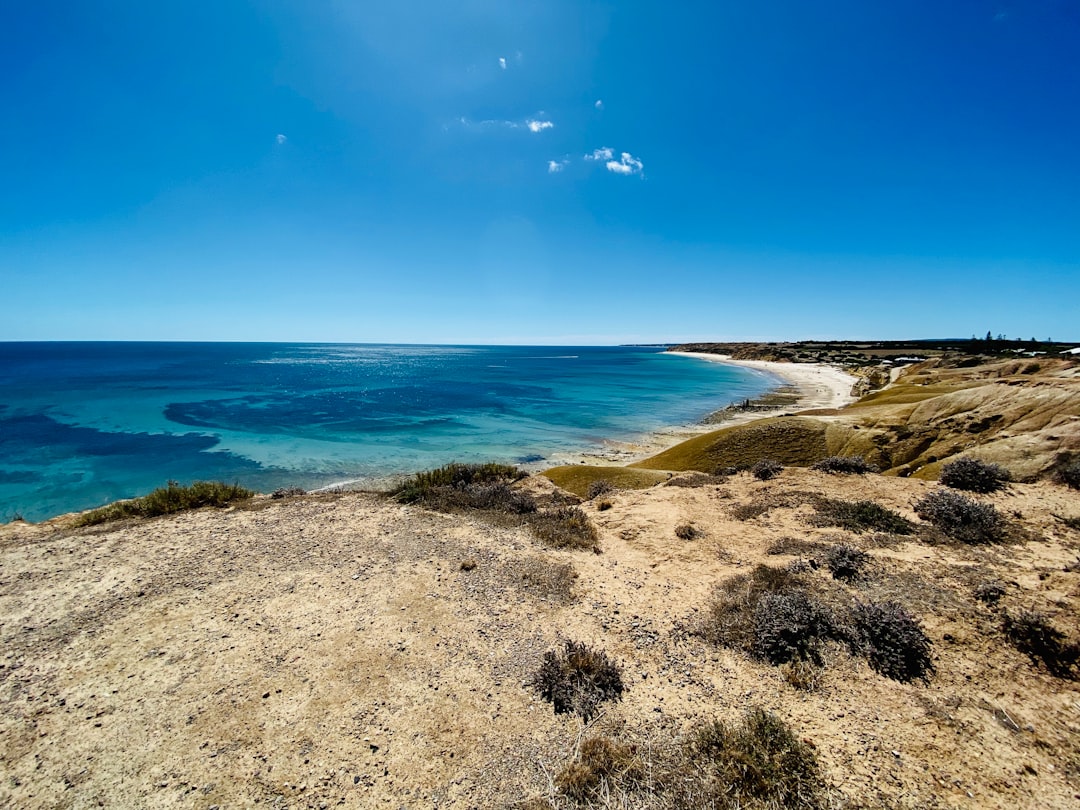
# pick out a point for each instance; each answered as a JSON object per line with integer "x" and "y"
{"x": 989, "y": 335}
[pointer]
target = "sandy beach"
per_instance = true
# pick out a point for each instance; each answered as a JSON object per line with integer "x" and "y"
{"x": 819, "y": 386}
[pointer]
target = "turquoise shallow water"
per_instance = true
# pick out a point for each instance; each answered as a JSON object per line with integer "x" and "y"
{"x": 82, "y": 424}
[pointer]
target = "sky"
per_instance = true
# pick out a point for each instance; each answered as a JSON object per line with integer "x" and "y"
{"x": 550, "y": 172}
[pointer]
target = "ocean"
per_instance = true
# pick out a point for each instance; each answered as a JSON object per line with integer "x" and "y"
{"x": 84, "y": 424}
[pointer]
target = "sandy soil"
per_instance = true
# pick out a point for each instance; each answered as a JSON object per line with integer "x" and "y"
{"x": 331, "y": 651}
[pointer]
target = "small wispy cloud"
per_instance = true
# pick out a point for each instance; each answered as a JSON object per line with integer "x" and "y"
{"x": 556, "y": 166}
{"x": 536, "y": 125}
{"x": 502, "y": 62}
{"x": 626, "y": 164}
{"x": 280, "y": 139}
{"x": 599, "y": 104}
{"x": 531, "y": 124}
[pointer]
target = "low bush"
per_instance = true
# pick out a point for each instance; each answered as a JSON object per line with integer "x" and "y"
{"x": 794, "y": 545}
{"x": 844, "y": 465}
{"x": 766, "y": 469}
{"x": 548, "y": 580}
{"x": 961, "y": 518}
{"x": 566, "y": 527}
{"x": 497, "y": 497}
{"x": 861, "y": 516}
{"x": 287, "y": 492}
{"x": 790, "y": 626}
{"x": 687, "y": 531}
{"x": 891, "y": 640}
{"x": 1031, "y": 633}
{"x": 972, "y": 475}
{"x": 760, "y": 762}
{"x": 600, "y": 486}
{"x": 578, "y": 679}
{"x": 845, "y": 562}
{"x": 166, "y": 500}
{"x": 454, "y": 476}
{"x": 1069, "y": 475}
{"x": 728, "y": 619}
{"x": 990, "y": 592}
{"x": 602, "y": 766}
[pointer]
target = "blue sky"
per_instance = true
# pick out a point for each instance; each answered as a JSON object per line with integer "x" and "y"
{"x": 539, "y": 172}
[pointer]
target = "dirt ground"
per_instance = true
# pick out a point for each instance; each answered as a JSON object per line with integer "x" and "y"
{"x": 332, "y": 650}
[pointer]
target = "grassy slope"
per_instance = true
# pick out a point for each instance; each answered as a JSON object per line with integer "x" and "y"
{"x": 576, "y": 478}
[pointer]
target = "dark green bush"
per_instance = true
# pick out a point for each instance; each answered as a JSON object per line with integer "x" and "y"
{"x": 790, "y": 626}
{"x": 760, "y": 762}
{"x": 457, "y": 476}
{"x": 845, "y": 562}
{"x": 578, "y": 679}
{"x": 961, "y": 518}
{"x": 892, "y": 641}
{"x": 972, "y": 475}
{"x": 1070, "y": 475}
{"x": 1031, "y": 633}
{"x": 844, "y": 465}
{"x": 861, "y": 516}
{"x": 766, "y": 469}
{"x": 565, "y": 527}
{"x": 166, "y": 500}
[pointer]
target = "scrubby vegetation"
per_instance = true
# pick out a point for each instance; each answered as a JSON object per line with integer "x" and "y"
{"x": 602, "y": 767}
{"x": 1069, "y": 475}
{"x": 844, "y": 465}
{"x": 891, "y": 640}
{"x": 766, "y": 469}
{"x": 768, "y": 614}
{"x": 578, "y": 679}
{"x": 990, "y": 592}
{"x": 687, "y": 531}
{"x": 760, "y": 762}
{"x": 601, "y": 486}
{"x": 438, "y": 486}
{"x": 972, "y": 475}
{"x": 861, "y": 516}
{"x": 287, "y": 492}
{"x": 961, "y": 518}
{"x": 845, "y": 562}
{"x": 565, "y": 527}
{"x": 173, "y": 497}
{"x": 1033, "y": 634}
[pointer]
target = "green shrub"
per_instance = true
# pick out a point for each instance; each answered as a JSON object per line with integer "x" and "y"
{"x": 766, "y": 469}
{"x": 601, "y": 486}
{"x": 790, "y": 626}
{"x": 892, "y": 641}
{"x": 1031, "y": 633}
{"x": 578, "y": 679}
{"x": 166, "y": 500}
{"x": 1070, "y": 475}
{"x": 861, "y": 516}
{"x": 760, "y": 762}
{"x": 456, "y": 476}
{"x": 961, "y": 518}
{"x": 845, "y": 562}
{"x": 565, "y": 527}
{"x": 728, "y": 620}
{"x": 972, "y": 475}
{"x": 844, "y": 465}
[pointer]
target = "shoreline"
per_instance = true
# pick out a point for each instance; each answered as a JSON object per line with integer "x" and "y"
{"x": 818, "y": 386}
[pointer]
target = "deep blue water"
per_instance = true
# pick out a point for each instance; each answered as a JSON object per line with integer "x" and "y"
{"x": 83, "y": 424}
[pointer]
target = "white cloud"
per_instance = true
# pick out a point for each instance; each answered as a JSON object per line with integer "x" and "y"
{"x": 502, "y": 62}
{"x": 280, "y": 139}
{"x": 599, "y": 104}
{"x": 627, "y": 164}
{"x": 538, "y": 126}
{"x": 555, "y": 166}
